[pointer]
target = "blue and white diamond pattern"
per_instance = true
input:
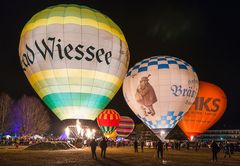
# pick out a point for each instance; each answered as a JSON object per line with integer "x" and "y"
{"x": 166, "y": 121}
{"x": 159, "y": 62}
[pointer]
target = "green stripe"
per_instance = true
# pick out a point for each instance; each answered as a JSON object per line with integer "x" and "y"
{"x": 56, "y": 100}
{"x": 107, "y": 129}
{"x": 74, "y": 10}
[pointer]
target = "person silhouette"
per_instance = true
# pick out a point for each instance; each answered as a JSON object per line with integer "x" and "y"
{"x": 103, "y": 146}
{"x": 93, "y": 145}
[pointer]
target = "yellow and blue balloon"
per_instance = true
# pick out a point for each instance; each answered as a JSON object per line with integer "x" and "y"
{"x": 75, "y": 58}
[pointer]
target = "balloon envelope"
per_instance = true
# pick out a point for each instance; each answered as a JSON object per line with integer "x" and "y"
{"x": 113, "y": 135}
{"x": 126, "y": 126}
{"x": 75, "y": 58}
{"x": 160, "y": 90}
{"x": 208, "y": 108}
{"x": 108, "y": 120}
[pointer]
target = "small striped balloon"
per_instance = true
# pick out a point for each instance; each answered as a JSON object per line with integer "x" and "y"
{"x": 108, "y": 120}
{"x": 126, "y": 126}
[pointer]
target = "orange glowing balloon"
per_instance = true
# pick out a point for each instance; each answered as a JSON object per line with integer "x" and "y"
{"x": 208, "y": 108}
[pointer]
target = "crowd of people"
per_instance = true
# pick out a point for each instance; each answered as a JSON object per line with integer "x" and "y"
{"x": 216, "y": 147}
{"x": 226, "y": 147}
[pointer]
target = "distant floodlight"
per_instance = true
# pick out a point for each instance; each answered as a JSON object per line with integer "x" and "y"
{"x": 93, "y": 133}
{"x": 67, "y": 132}
{"x": 191, "y": 138}
{"x": 78, "y": 126}
{"x": 82, "y": 133}
{"x": 88, "y": 133}
{"x": 162, "y": 132}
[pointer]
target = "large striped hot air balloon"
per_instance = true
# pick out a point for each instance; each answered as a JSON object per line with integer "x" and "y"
{"x": 160, "y": 90}
{"x": 75, "y": 58}
{"x": 108, "y": 120}
{"x": 209, "y": 106}
{"x": 126, "y": 126}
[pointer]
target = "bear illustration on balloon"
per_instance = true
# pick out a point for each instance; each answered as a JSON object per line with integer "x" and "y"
{"x": 146, "y": 96}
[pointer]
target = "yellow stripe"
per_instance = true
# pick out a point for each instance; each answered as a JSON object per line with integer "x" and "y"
{"x": 117, "y": 116}
{"x": 76, "y": 112}
{"x": 100, "y": 116}
{"x": 74, "y": 88}
{"x": 105, "y": 116}
{"x": 111, "y": 117}
{"x": 58, "y": 73}
{"x": 130, "y": 125}
{"x": 73, "y": 20}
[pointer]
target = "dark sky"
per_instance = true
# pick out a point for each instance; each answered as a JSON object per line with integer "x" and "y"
{"x": 204, "y": 34}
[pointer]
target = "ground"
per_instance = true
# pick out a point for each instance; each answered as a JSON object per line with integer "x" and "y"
{"x": 115, "y": 156}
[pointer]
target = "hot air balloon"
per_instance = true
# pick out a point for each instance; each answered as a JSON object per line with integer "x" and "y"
{"x": 113, "y": 135}
{"x": 126, "y": 126}
{"x": 208, "y": 108}
{"x": 75, "y": 58}
{"x": 108, "y": 120}
{"x": 160, "y": 90}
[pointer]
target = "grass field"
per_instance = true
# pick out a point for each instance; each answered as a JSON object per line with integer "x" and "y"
{"x": 115, "y": 156}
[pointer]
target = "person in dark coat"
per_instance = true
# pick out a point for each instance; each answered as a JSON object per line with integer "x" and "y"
{"x": 166, "y": 146}
{"x": 93, "y": 145}
{"x": 135, "y": 145}
{"x": 103, "y": 146}
{"x": 215, "y": 149}
{"x": 160, "y": 148}
{"x": 231, "y": 148}
{"x": 142, "y": 145}
{"x": 188, "y": 145}
{"x": 226, "y": 149}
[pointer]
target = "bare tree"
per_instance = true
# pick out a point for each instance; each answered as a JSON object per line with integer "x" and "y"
{"x": 5, "y": 104}
{"x": 29, "y": 116}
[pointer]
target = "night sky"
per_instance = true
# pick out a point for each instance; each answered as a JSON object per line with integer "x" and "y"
{"x": 204, "y": 34}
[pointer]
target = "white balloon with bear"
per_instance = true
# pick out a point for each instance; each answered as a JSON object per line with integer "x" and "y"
{"x": 159, "y": 90}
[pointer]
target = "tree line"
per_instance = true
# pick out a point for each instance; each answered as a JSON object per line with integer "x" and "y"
{"x": 26, "y": 116}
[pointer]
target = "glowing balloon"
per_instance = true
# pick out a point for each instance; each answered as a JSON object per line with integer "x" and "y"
{"x": 108, "y": 120}
{"x": 126, "y": 126}
{"x": 113, "y": 135}
{"x": 160, "y": 90}
{"x": 75, "y": 58}
{"x": 208, "y": 108}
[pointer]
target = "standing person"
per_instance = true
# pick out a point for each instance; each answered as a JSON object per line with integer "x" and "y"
{"x": 196, "y": 146}
{"x": 231, "y": 148}
{"x": 166, "y": 146}
{"x": 226, "y": 149}
{"x": 17, "y": 143}
{"x": 188, "y": 144}
{"x": 160, "y": 149}
{"x": 103, "y": 146}
{"x": 135, "y": 145}
{"x": 142, "y": 145}
{"x": 93, "y": 145}
{"x": 172, "y": 145}
{"x": 215, "y": 150}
